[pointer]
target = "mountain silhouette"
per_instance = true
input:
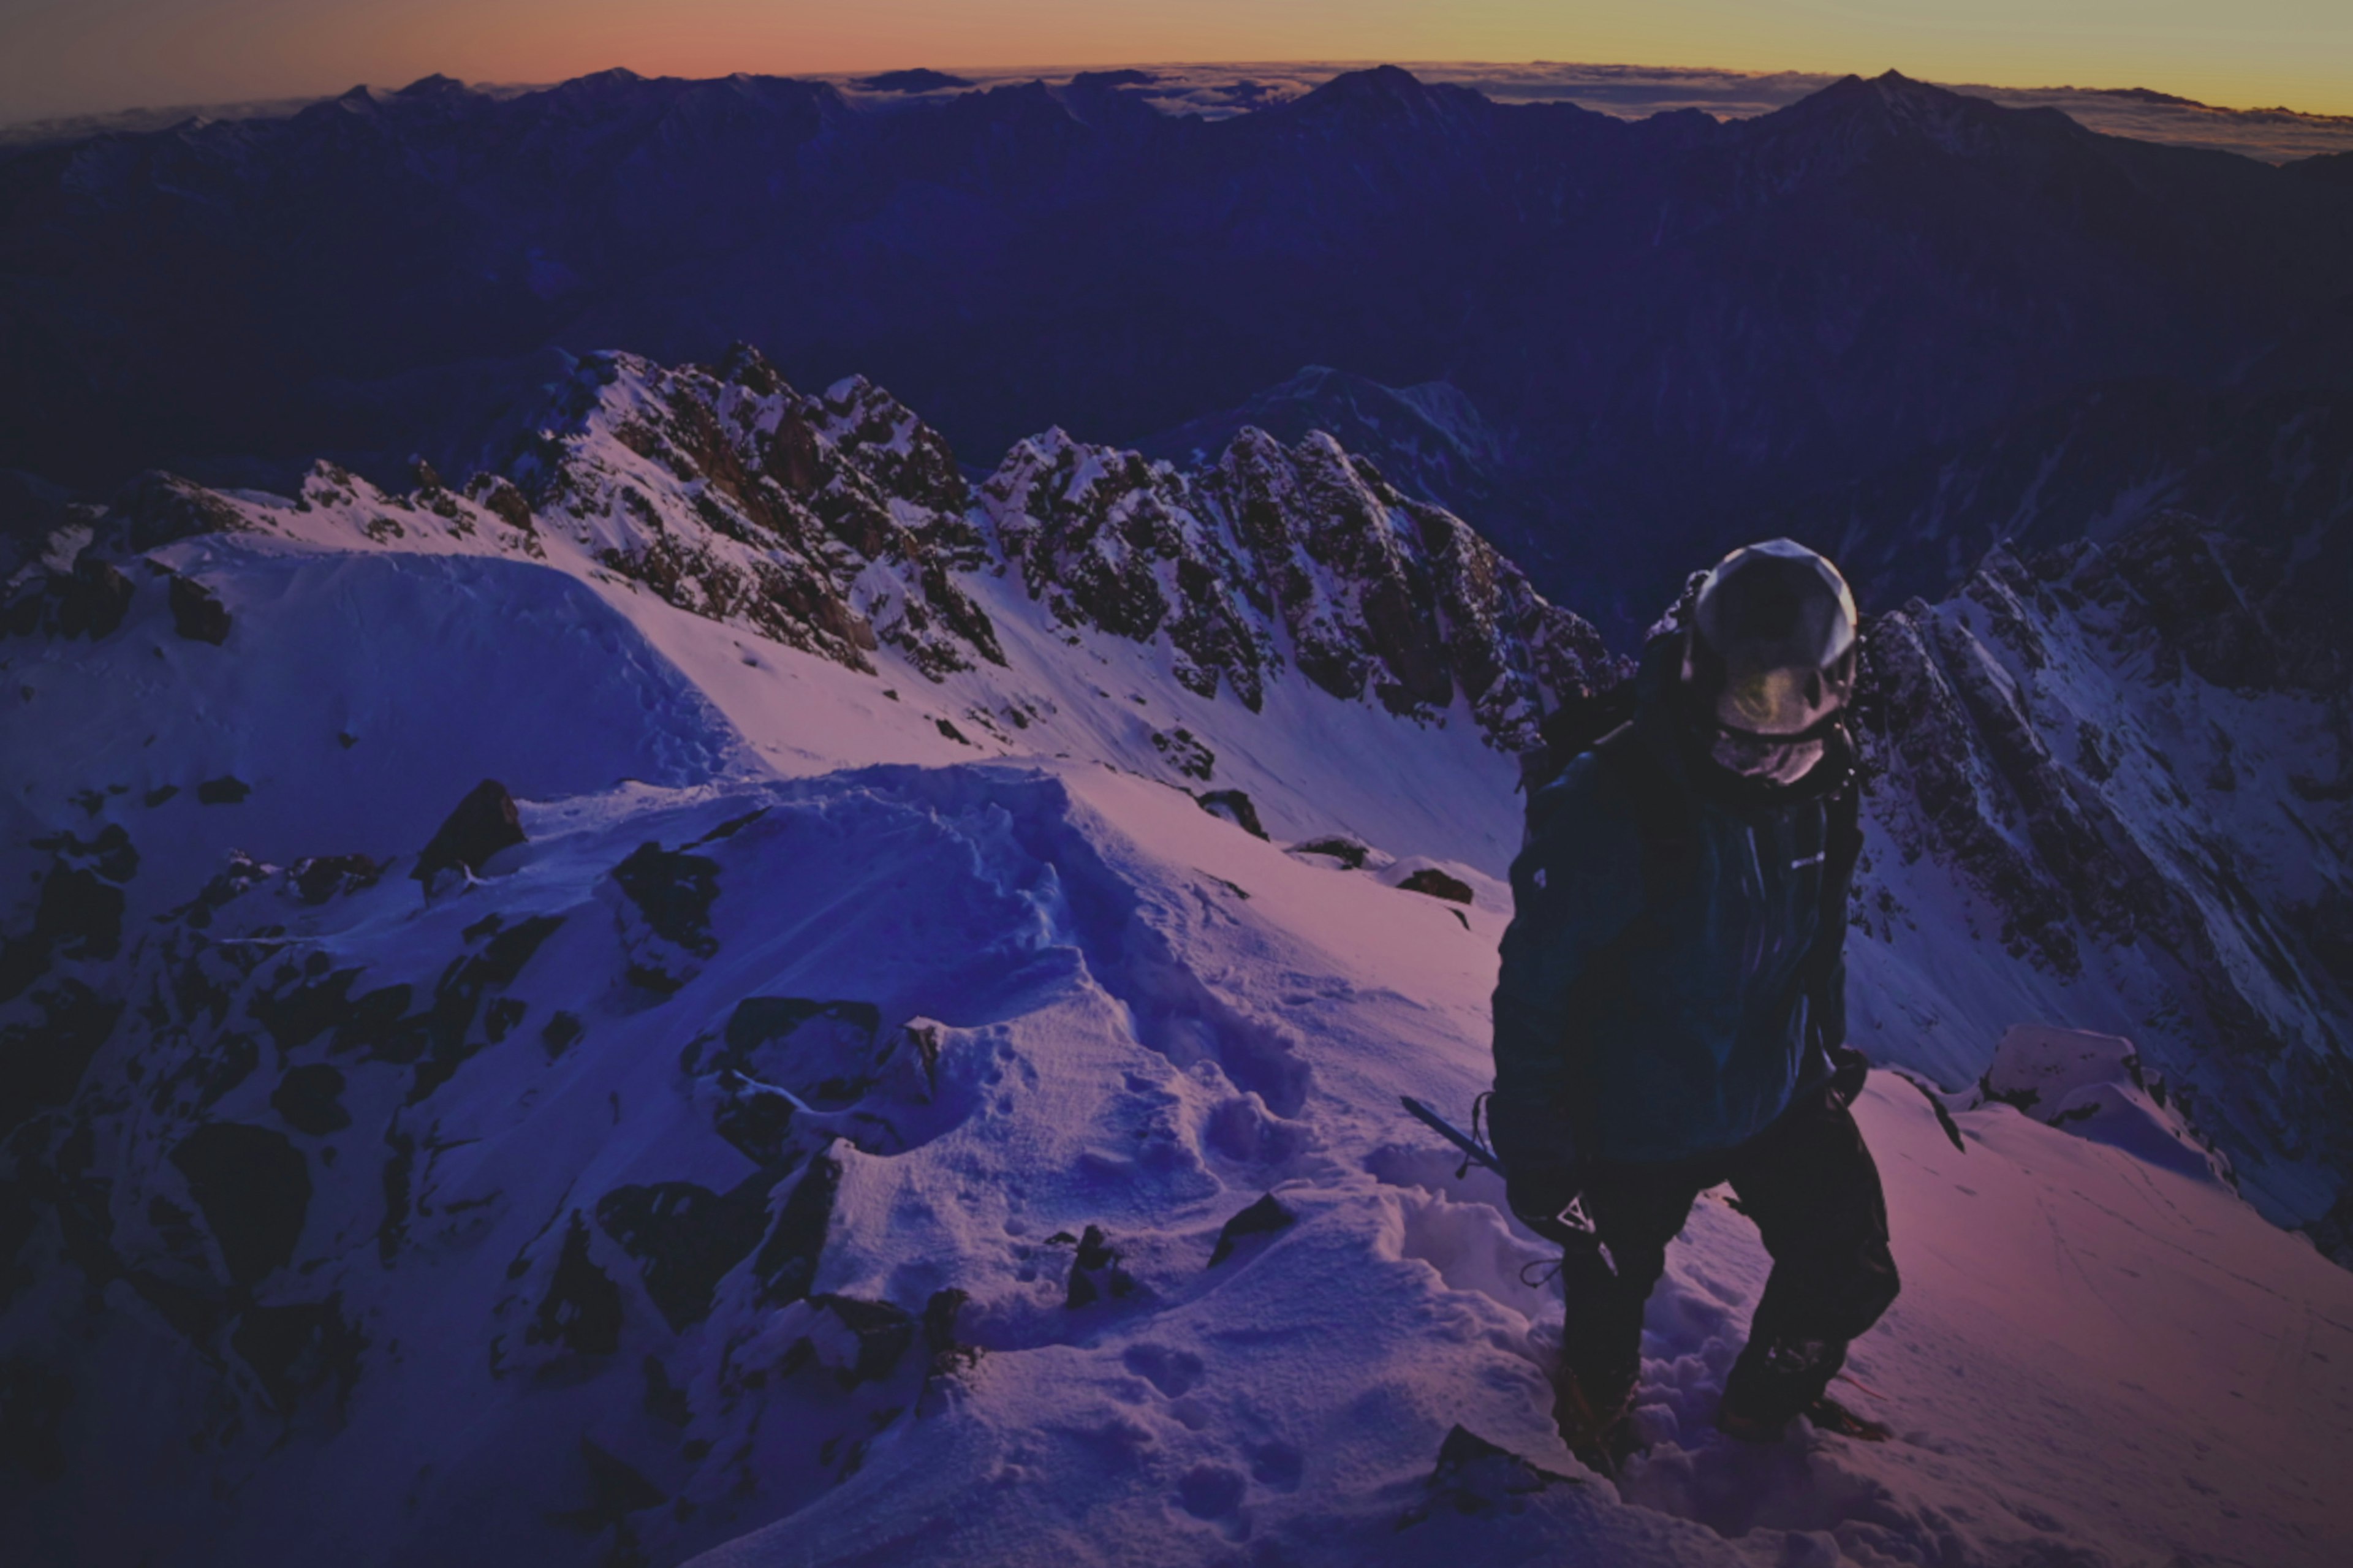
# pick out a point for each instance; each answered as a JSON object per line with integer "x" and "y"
{"x": 1674, "y": 324}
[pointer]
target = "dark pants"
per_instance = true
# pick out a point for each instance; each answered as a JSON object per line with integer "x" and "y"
{"x": 1810, "y": 1183}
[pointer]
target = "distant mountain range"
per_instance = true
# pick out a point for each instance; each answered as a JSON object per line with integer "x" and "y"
{"x": 1216, "y": 91}
{"x": 1652, "y": 333}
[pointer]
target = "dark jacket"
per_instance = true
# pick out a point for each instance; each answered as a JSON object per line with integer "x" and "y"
{"x": 1673, "y": 976}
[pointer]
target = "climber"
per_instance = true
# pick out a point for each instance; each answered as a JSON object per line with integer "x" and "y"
{"x": 1670, "y": 1011}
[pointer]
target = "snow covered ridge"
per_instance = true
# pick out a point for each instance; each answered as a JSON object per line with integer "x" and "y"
{"x": 2125, "y": 767}
{"x": 838, "y": 523}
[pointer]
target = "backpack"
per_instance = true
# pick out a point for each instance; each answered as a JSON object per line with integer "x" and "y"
{"x": 1577, "y": 725}
{"x": 1602, "y": 722}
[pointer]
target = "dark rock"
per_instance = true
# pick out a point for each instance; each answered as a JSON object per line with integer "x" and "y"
{"x": 822, "y": 1051}
{"x": 664, "y": 1401}
{"x": 399, "y": 1170}
{"x": 316, "y": 879}
{"x": 226, "y": 789}
{"x": 240, "y": 876}
{"x": 1186, "y": 753}
{"x": 197, "y": 613}
{"x": 1095, "y": 1272}
{"x": 303, "y": 1012}
{"x": 1925, "y": 733}
{"x": 159, "y": 508}
{"x": 1263, "y": 1217}
{"x": 94, "y": 598}
{"x": 311, "y": 1099}
{"x": 1429, "y": 879}
{"x": 1236, "y": 807}
{"x": 558, "y": 1033}
{"x": 786, "y": 1263}
{"x": 673, "y": 891}
{"x": 497, "y": 494}
{"x": 616, "y": 1489}
{"x": 254, "y": 1189}
{"x": 1476, "y": 1476}
{"x": 110, "y": 854}
{"x": 457, "y": 999}
{"x": 35, "y": 1396}
{"x": 1346, "y": 851}
{"x": 79, "y": 914}
{"x": 582, "y": 1308}
{"x": 881, "y": 1332}
{"x": 46, "y": 1056}
{"x": 758, "y": 1121}
{"x": 485, "y": 822}
{"x": 686, "y": 1238}
{"x": 295, "y": 1350}
{"x": 940, "y": 1342}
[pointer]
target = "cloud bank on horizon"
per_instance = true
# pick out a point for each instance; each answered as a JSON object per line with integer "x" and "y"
{"x": 1221, "y": 90}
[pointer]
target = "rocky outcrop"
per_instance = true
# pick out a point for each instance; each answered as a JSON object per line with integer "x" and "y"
{"x": 830, "y": 523}
{"x": 1108, "y": 540}
{"x": 840, "y": 524}
{"x": 484, "y": 823}
{"x": 1301, "y": 554}
{"x": 2132, "y": 752}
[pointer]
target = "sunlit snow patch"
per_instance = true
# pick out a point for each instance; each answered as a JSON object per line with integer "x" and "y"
{"x": 2095, "y": 1086}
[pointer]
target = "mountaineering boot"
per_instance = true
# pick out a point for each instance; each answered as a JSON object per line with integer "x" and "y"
{"x": 1774, "y": 1383}
{"x": 1828, "y": 1415}
{"x": 1595, "y": 1423}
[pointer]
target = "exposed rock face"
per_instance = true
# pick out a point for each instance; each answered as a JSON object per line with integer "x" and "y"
{"x": 840, "y": 525}
{"x": 826, "y": 522}
{"x": 1110, "y": 540}
{"x": 2136, "y": 757}
{"x": 1300, "y": 552}
{"x": 197, "y": 613}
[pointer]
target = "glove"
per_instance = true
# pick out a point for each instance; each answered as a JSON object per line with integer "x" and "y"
{"x": 1849, "y": 1070}
{"x": 1538, "y": 1192}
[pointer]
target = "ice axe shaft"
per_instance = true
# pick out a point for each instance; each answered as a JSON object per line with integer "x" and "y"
{"x": 1478, "y": 1153}
{"x": 1572, "y": 1228}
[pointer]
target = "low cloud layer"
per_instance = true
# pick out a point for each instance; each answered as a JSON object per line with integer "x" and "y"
{"x": 1631, "y": 92}
{"x": 1218, "y": 91}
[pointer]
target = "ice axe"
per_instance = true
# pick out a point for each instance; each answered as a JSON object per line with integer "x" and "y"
{"x": 1572, "y": 1228}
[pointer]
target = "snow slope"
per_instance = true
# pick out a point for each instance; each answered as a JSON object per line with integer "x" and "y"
{"x": 811, "y": 1144}
{"x": 569, "y": 1299}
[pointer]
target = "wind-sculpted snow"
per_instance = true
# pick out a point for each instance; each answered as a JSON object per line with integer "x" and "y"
{"x": 993, "y": 1163}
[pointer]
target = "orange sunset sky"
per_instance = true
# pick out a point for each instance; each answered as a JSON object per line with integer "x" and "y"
{"x": 68, "y": 57}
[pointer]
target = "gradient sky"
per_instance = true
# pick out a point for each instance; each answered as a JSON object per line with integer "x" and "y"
{"x": 69, "y": 57}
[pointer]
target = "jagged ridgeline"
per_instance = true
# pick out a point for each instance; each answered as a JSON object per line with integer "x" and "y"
{"x": 839, "y": 521}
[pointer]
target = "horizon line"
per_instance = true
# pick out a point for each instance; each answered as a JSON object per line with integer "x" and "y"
{"x": 292, "y": 103}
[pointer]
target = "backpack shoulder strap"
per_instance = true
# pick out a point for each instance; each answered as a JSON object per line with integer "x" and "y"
{"x": 1669, "y": 852}
{"x": 1661, "y": 808}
